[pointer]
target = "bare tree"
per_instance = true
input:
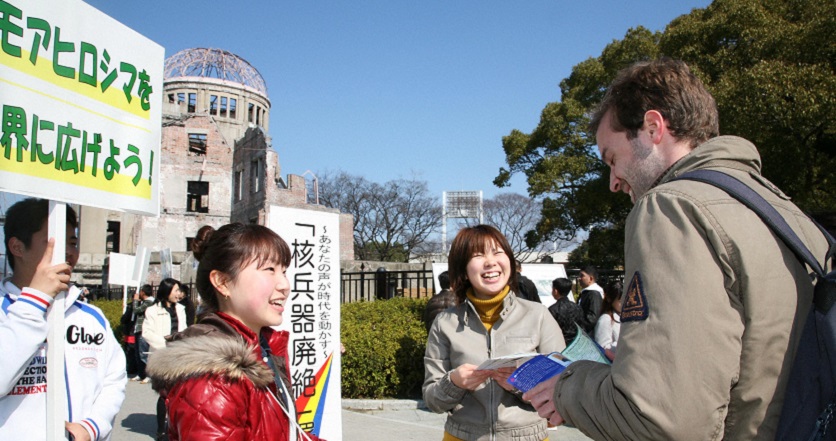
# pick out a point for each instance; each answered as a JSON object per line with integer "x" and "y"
{"x": 391, "y": 220}
{"x": 515, "y": 216}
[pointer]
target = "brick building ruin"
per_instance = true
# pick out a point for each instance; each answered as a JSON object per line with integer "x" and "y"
{"x": 217, "y": 165}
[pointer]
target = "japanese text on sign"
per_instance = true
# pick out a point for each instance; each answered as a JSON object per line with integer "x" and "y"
{"x": 37, "y": 47}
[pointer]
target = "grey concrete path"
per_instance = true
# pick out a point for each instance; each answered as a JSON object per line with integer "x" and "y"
{"x": 363, "y": 420}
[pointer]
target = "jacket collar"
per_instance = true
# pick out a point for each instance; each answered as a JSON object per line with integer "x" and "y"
{"x": 212, "y": 347}
{"x": 723, "y": 151}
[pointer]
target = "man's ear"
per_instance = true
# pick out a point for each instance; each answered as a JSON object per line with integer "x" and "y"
{"x": 219, "y": 281}
{"x": 16, "y": 247}
{"x": 655, "y": 125}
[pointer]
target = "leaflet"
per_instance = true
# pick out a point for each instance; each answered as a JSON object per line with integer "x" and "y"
{"x": 537, "y": 370}
{"x": 513, "y": 360}
{"x": 585, "y": 348}
{"x": 542, "y": 367}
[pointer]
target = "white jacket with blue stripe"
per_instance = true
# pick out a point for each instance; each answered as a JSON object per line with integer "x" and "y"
{"x": 94, "y": 365}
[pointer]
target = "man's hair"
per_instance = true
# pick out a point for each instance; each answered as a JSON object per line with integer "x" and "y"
{"x": 147, "y": 289}
{"x": 667, "y": 86}
{"x": 562, "y": 285}
{"x": 591, "y": 271}
{"x": 444, "y": 280}
{"x": 27, "y": 217}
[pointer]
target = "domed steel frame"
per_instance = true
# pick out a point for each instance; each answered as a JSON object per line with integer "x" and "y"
{"x": 214, "y": 63}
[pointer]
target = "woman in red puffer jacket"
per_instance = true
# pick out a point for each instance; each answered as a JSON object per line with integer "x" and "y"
{"x": 226, "y": 377}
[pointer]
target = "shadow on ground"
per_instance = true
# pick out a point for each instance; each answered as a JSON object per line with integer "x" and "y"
{"x": 141, "y": 423}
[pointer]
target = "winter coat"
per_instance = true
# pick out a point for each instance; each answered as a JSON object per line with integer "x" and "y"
{"x": 590, "y": 301}
{"x": 436, "y": 304}
{"x": 157, "y": 324}
{"x": 711, "y": 316}
{"x": 216, "y": 385}
{"x": 490, "y": 412}
{"x": 94, "y": 365}
{"x": 567, "y": 314}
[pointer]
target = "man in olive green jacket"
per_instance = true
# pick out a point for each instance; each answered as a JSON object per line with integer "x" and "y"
{"x": 714, "y": 303}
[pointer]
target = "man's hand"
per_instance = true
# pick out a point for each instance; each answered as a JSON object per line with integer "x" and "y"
{"x": 78, "y": 431}
{"x": 51, "y": 279}
{"x": 468, "y": 377}
{"x": 540, "y": 397}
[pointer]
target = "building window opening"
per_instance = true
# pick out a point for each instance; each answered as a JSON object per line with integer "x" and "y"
{"x": 112, "y": 238}
{"x": 171, "y": 98}
{"x": 258, "y": 116}
{"x": 197, "y": 197}
{"x": 213, "y": 104}
{"x": 189, "y": 242}
{"x": 197, "y": 144}
{"x": 239, "y": 185}
{"x": 250, "y": 113}
{"x": 223, "y": 106}
{"x": 256, "y": 175}
{"x": 233, "y": 105}
{"x": 181, "y": 98}
{"x": 192, "y": 102}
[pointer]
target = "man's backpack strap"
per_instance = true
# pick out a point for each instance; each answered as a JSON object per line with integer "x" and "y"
{"x": 825, "y": 292}
{"x": 811, "y": 390}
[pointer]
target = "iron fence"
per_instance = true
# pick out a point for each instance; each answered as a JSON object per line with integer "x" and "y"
{"x": 383, "y": 284}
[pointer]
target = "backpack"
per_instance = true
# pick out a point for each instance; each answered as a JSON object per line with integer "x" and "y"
{"x": 810, "y": 398}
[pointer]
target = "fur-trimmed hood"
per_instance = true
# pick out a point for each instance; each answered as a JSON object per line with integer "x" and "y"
{"x": 213, "y": 354}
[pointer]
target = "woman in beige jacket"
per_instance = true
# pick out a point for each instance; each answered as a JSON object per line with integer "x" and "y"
{"x": 489, "y": 321}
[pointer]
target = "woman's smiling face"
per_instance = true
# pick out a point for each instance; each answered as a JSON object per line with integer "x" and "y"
{"x": 257, "y": 296}
{"x": 489, "y": 271}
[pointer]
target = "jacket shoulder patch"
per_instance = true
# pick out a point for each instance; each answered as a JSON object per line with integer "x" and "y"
{"x": 635, "y": 302}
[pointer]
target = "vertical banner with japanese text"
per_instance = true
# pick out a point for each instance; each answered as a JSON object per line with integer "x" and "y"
{"x": 313, "y": 316}
{"x": 80, "y": 96}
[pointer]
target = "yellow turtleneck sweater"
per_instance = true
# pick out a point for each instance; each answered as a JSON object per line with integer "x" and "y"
{"x": 488, "y": 309}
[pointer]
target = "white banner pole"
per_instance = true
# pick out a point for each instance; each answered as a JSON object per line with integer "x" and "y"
{"x": 56, "y": 391}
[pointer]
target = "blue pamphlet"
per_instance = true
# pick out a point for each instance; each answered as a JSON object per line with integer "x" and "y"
{"x": 542, "y": 367}
{"x": 537, "y": 370}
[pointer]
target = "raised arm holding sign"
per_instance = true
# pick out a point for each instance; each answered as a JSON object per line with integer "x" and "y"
{"x": 93, "y": 362}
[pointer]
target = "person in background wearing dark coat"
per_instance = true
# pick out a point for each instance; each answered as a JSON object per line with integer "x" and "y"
{"x": 590, "y": 299}
{"x": 187, "y": 303}
{"x": 525, "y": 287}
{"x": 566, "y": 312}
{"x": 439, "y": 302}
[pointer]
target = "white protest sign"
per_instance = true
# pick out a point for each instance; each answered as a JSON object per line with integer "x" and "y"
{"x": 312, "y": 316}
{"x": 140, "y": 269}
{"x": 81, "y": 123}
{"x": 165, "y": 263}
{"x": 81, "y": 100}
{"x": 542, "y": 274}
{"x": 120, "y": 269}
{"x": 127, "y": 270}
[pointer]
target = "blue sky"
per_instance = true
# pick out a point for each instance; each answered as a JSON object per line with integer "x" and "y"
{"x": 395, "y": 89}
{"x": 390, "y": 89}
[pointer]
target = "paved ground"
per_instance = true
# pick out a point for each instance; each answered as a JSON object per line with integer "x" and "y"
{"x": 363, "y": 420}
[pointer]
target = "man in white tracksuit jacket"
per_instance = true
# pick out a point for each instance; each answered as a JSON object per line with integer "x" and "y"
{"x": 94, "y": 361}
